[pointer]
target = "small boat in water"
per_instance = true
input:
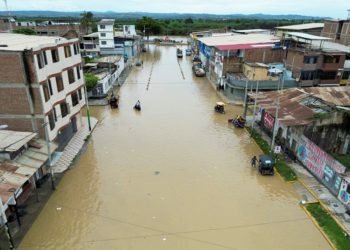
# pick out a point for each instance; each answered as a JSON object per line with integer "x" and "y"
{"x": 179, "y": 53}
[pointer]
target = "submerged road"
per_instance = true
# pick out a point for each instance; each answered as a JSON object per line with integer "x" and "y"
{"x": 173, "y": 176}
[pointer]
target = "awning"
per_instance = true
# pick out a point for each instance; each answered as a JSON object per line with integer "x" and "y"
{"x": 11, "y": 141}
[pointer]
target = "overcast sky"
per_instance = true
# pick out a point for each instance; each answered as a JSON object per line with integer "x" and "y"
{"x": 335, "y": 8}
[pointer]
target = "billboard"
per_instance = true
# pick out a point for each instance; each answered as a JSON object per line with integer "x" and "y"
{"x": 321, "y": 164}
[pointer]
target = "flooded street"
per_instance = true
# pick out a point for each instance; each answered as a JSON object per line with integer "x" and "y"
{"x": 173, "y": 176}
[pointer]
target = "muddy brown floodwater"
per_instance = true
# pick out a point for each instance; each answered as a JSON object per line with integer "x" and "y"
{"x": 173, "y": 176}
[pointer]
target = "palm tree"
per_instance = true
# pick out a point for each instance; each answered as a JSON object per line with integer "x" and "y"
{"x": 86, "y": 20}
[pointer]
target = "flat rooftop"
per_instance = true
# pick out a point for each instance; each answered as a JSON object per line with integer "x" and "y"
{"x": 304, "y": 26}
{"x": 19, "y": 42}
{"x": 306, "y": 36}
{"x": 239, "y": 39}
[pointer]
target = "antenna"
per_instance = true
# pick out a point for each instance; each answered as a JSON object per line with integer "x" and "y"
{"x": 348, "y": 13}
{"x": 8, "y": 14}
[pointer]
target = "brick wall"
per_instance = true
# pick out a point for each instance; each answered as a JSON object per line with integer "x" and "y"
{"x": 232, "y": 64}
{"x": 30, "y": 67}
{"x": 257, "y": 55}
{"x": 24, "y": 124}
{"x": 14, "y": 101}
{"x": 11, "y": 70}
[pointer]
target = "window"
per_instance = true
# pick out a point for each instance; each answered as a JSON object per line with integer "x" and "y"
{"x": 54, "y": 113}
{"x": 64, "y": 109}
{"x": 103, "y": 42}
{"x": 46, "y": 92}
{"x": 102, "y": 26}
{"x": 328, "y": 75}
{"x": 51, "y": 120}
{"x": 310, "y": 59}
{"x": 40, "y": 60}
{"x": 331, "y": 59}
{"x": 307, "y": 75}
{"x": 76, "y": 48}
{"x": 79, "y": 93}
{"x": 70, "y": 76}
{"x": 346, "y": 75}
{"x": 78, "y": 71}
{"x": 45, "y": 58}
{"x": 75, "y": 99}
{"x": 103, "y": 34}
{"x": 59, "y": 83}
{"x": 54, "y": 54}
{"x": 50, "y": 86}
{"x": 67, "y": 52}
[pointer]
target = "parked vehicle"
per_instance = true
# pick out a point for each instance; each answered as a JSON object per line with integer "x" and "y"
{"x": 266, "y": 165}
{"x": 188, "y": 52}
{"x": 198, "y": 70}
{"x": 179, "y": 53}
{"x": 113, "y": 102}
{"x": 238, "y": 122}
{"x": 220, "y": 107}
{"x": 196, "y": 60}
{"x": 138, "y": 63}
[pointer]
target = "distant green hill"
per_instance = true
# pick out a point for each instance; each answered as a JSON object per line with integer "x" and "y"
{"x": 136, "y": 15}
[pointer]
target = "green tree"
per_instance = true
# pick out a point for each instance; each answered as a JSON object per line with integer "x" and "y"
{"x": 188, "y": 20}
{"x": 86, "y": 21}
{"x": 152, "y": 26}
{"x": 24, "y": 31}
{"x": 90, "y": 81}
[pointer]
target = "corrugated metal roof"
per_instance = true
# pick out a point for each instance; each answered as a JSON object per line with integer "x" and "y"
{"x": 11, "y": 141}
{"x": 13, "y": 174}
{"x": 307, "y": 36}
{"x": 292, "y": 112}
{"x": 303, "y": 26}
{"x": 11, "y": 179}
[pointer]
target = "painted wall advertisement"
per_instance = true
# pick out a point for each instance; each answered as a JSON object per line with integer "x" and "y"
{"x": 268, "y": 120}
{"x": 321, "y": 164}
{"x": 344, "y": 192}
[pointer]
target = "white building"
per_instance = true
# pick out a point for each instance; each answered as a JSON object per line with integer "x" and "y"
{"x": 106, "y": 36}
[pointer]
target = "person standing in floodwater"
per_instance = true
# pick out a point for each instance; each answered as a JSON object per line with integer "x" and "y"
{"x": 253, "y": 161}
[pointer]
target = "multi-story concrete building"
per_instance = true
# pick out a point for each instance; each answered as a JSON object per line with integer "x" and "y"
{"x": 337, "y": 30}
{"x": 90, "y": 45}
{"x": 106, "y": 36}
{"x": 41, "y": 85}
{"x": 313, "y": 60}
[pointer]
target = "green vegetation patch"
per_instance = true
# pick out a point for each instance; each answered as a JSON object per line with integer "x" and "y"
{"x": 281, "y": 166}
{"x": 334, "y": 232}
{"x": 285, "y": 171}
{"x": 90, "y": 80}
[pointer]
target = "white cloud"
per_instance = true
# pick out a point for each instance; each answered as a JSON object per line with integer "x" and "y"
{"x": 336, "y": 9}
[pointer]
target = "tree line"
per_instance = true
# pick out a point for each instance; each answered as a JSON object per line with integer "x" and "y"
{"x": 152, "y": 26}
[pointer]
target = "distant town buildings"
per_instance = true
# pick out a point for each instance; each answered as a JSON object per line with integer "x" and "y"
{"x": 45, "y": 28}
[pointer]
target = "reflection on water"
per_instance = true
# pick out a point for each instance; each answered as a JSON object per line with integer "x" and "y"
{"x": 174, "y": 176}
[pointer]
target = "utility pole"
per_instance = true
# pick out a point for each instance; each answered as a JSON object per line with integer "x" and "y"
{"x": 276, "y": 124}
{"x": 245, "y": 99}
{"x": 256, "y": 97}
{"x": 87, "y": 107}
